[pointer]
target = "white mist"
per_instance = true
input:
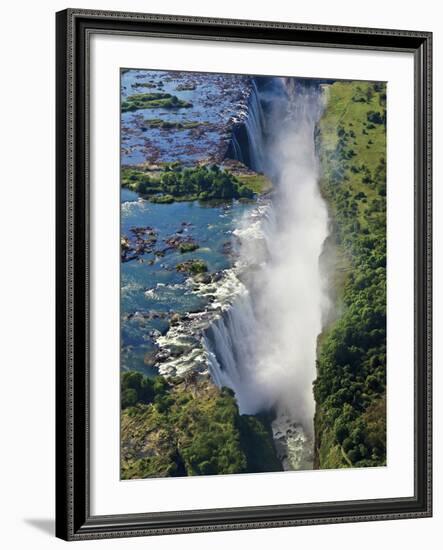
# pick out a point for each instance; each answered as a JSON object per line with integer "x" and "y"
{"x": 264, "y": 347}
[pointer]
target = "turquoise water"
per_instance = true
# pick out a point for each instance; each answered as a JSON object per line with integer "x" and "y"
{"x": 151, "y": 287}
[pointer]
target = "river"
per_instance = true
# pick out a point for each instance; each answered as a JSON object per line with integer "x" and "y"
{"x": 255, "y": 326}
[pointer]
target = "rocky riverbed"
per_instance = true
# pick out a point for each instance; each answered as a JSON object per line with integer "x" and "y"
{"x": 176, "y": 257}
{"x": 196, "y": 127}
{"x": 189, "y": 203}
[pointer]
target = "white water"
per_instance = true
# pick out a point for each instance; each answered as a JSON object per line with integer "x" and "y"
{"x": 255, "y": 124}
{"x": 264, "y": 346}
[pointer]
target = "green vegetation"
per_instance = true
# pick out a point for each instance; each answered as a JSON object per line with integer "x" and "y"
{"x": 192, "y": 266}
{"x": 185, "y": 86}
{"x": 350, "y": 389}
{"x": 136, "y": 388}
{"x": 172, "y": 125}
{"x": 152, "y": 101}
{"x": 190, "y": 427}
{"x": 163, "y": 199}
{"x": 257, "y": 443}
{"x": 258, "y": 183}
{"x": 174, "y": 183}
{"x": 188, "y": 247}
{"x": 144, "y": 85}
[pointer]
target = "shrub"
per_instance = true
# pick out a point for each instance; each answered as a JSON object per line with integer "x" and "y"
{"x": 188, "y": 247}
{"x": 375, "y": 117}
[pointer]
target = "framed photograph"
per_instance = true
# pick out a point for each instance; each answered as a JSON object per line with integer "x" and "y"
{"x": 243, "y": 274}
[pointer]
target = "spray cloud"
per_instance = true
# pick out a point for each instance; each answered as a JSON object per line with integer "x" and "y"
{"x": 264, "y": 347}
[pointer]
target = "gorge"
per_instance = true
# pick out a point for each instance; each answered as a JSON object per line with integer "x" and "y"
{"x": 264, "y": 346}
{"x": 253, "y": 274}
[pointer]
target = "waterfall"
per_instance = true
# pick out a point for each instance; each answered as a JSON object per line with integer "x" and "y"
{"x": 247, "y": 141}
{"x": 264, "y": 346}
{"x": 230, "y": 342}
{"x": 237, "y": 150}
{"x": 255, "y": 129}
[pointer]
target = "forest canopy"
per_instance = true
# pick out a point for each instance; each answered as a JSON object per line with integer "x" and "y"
{"x": 350, "y": 389}
{"x": 194, "y": 429}
{"x": 200, "y": 182}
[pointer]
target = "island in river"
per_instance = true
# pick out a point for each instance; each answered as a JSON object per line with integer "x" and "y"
{"x": 198, "y": 198}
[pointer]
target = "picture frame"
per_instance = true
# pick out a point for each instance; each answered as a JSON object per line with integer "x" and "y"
{"x": 74, "y": 520}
